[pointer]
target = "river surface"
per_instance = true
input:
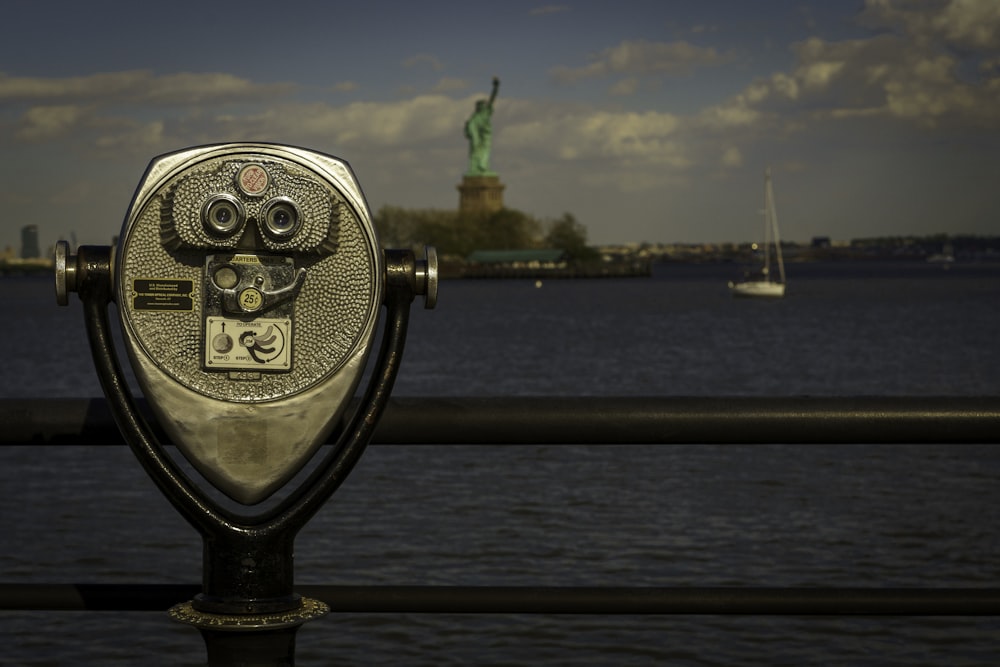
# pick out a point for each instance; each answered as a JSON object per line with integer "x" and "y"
{"x": 695, "y": 515}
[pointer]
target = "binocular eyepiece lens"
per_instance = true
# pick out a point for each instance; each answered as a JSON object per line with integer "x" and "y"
{"x": 222, "y": 215}
{"x": 281, "y": 218}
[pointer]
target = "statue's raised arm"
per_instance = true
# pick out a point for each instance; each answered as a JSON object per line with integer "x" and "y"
{"x": 496, "y": 87}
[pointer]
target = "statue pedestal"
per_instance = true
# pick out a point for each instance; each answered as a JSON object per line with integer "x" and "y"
{"x": 479, "y": 195}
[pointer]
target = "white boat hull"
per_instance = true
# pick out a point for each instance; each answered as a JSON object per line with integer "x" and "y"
{"x": 763, "y": 288}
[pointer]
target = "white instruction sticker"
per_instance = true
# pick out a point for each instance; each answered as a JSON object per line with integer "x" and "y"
{"x": 263, "y": 344}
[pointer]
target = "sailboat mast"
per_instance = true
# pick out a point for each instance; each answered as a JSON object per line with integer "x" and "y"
{"x": 772, "y": 215}
{"x": 767, "y": 223}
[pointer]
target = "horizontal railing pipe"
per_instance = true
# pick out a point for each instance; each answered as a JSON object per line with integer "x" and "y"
{"x": 541, "y": 599}
{"x": 572, "y": 420}
{"x": 593, "y": 420}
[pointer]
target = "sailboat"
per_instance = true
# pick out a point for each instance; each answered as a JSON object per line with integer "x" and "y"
{"x": 762, "y": 283}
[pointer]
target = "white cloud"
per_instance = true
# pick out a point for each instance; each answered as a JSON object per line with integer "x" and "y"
{"x": 642, "y": 58}
{"x": 402, "y": 124}
{"x": 138, "y": 87}
{"x": 647, "y": 137}
{"x": 70, "y": 88}
{"x": 974, "y": 23}
{"x": 188, "y": 88}
{"x": 736, "y": 113}
{"x": 48, "y": 122}
{"x": 819, "y": 75}
{"x": 907, "y": 75}
{"x": 449, "y": 84}
{"x": 146, "y": 139}
{"x": 970, "y": 24}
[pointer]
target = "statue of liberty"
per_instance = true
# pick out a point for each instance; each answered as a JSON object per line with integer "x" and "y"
{"x": 479, "y": 131}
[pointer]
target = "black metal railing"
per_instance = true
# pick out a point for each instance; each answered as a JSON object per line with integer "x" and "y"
{"x": 577, "y": 420}
{"x": 592, "y": 420}
{"x": 686, "y": 600}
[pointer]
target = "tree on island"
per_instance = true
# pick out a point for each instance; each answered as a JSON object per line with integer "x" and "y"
{"x": 457, "y": 236}
{"x": 569, "y": 235}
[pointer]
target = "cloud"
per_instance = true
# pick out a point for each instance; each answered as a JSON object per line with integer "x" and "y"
{"x": 642, "y": 58}
{"x": 369, "y": 125}
{"x": 136, "y": 138}
{"x": 969, "y": 24}
{"x": 188, "y": 88}
{"x": 448, "y": 85}
{"x": 937, "y": 44}
{"x": 649, "y": 138}
{"x": 48, "y": 122}
{"x": 19, "y": 89}
{"x": 738, "y": 112}
{"x": 97, "y": 108}
{"x": 138, "y": 87}
{"x": 910, "y": 72}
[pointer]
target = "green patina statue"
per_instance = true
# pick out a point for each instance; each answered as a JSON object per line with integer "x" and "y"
{"x": 478, "y": 131}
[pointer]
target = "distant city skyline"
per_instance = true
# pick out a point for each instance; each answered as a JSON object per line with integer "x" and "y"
{"x": 647, "y": 120}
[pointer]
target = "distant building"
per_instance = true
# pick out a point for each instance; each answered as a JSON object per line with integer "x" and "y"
{"x": 29, "y": 242}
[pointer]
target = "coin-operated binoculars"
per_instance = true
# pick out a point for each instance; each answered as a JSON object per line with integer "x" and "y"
{"x": 249, "y": 285}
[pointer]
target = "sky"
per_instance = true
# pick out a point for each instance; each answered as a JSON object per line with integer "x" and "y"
{"x": 647, "y": 121}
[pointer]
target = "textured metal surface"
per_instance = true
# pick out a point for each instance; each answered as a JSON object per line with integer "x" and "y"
{"x": 308, "y": 610}
{"x": 248, "y": 345}
{"x": 334, "y": 312}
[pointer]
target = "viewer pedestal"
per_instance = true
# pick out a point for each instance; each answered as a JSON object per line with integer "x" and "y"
{"x": 480, "y": 195}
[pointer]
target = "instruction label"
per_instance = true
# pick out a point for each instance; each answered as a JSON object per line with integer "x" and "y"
{"x": 263, "y": 344}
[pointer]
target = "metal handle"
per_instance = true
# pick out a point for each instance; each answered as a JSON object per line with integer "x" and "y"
{"x": 65, "y": 272}
{"x": 427, "y": 277}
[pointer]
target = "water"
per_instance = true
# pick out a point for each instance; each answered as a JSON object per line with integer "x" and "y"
{"x": 630, "y": 516}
